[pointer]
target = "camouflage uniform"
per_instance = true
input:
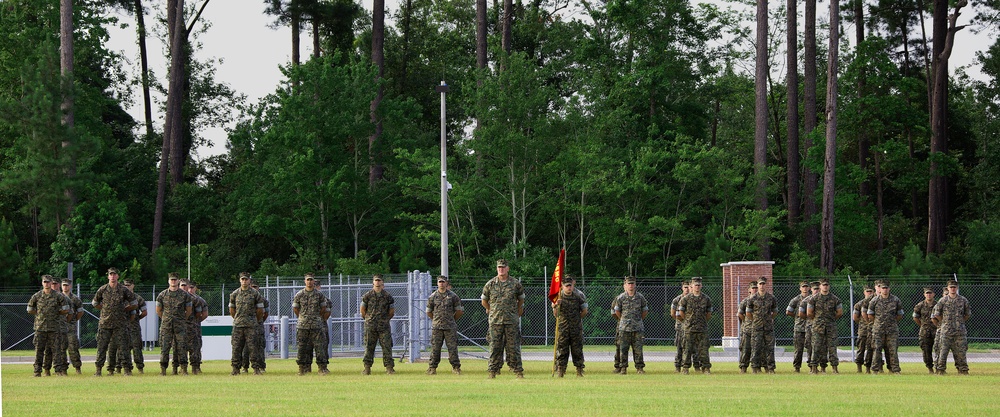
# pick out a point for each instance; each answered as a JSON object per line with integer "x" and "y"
{"x": 377, "y": 328}
{"x": 505, "y": 332}
{"x": 570, "y": 325}
{"x": 134, "y": 346}
{"x": 194, "y": 343}
{"x": 808, "y": 325}
{"x": 62, "y": 340}
{"x": 763, "y": 306}
{"x": 865, "y": 341}
{"x": 48, "y": 310}
{"x": 798, "y": 330}
{"x": 113, "y": 323}
{"x": 444, "y": 330}
{"x": 923, "y": 311}
{"x": 824, "y": 337}
{"x": 695, "y": 308}
{"x": 678, "y": 333}
{"x": 245, "y": 303}
{"x": 631, "y": 328}
{"x": 72, "y": 340}
{"x": 173, "y": 307}
{"x": 886, "y": 330}
{"x": 262, "y": 338}
{"x": 951, "y": 313}
{"x": 746, "y": 335}
{"x": 312, "y": 305}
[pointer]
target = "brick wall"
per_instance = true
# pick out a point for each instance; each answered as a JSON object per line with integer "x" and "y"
{"x": 735, "y": 277}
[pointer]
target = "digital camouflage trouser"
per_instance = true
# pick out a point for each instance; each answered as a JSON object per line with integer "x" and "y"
{"x": 245, "y": 338}
{"x": 570, "y": 342}
{"x": 447, "y": 337}
{"x": 746, "y": 348}
{"x": 174, "y": 337}
{"x": 824, "y": 345}
{"x": 59, "y": 354}
{"x": 308, "y": 342}
{"x": 135, "y": 344}
{"x": 763, "y": 350}
{"x": 890, "y": 342}
{"x": 45, "y": 347}
{"x": 958, "y": 345}
{"x": 926, "y": 339}
{"x": 618, "y": 351}
{"x": 696, "y": 351}
{"x": 118, "y": 336}
{"x": 261, "y": 350}
{"x": 633, "y": 341}
{"x": 505, "y": 337}
{"x": 73, "y": 348}
{"x": 193, "y": 351}
{"x": 799, "y": 344}
{"x": 382, "y": 337}
{"x": 865, "y": 346}
{"x": 679, "y": 342}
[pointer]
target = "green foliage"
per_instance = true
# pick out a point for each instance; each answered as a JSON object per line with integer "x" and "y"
{"x": 10, "y": 258}
{"x": 801, "y": 264}
{"x": 915, "y": 263}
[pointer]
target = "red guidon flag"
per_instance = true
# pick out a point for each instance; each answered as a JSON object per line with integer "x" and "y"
{"x": 557, "y": 276}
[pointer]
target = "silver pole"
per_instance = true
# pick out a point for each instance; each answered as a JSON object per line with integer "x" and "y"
{"x": 189, "y": 251}
{"x": 443, "y": 89}
{"x": 850, "y": 285}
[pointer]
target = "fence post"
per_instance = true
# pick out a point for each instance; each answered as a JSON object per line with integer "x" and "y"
{"x": 850, "y": 287}
{"x": 545, "y": 270}
{"x": 283, "y": 331}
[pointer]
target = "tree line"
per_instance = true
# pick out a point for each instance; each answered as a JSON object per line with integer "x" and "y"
{"x": 648, "y": 137}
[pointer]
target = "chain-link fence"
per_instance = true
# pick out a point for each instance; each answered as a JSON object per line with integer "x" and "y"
{"x": 410, "y": 327}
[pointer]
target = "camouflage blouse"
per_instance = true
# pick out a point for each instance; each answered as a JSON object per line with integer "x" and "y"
{"x": 884, "y": 312}
{"x": 49, "y": 309}
{"x": 377, "y": 306}
{"x": 245, "y": 302}
{"x": 696, "y": 308}
{"x": 951, "y": 313}
{"x": 113, "y": 301}
{"x": 631, "y": 309}
{"x": 442, "y": 307}
{"x": 503, "y": 298}
{"x": 312, "y": 306}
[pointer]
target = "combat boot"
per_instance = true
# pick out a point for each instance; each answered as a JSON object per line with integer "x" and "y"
{"x": 98, "y": 371}
{"x": 930, "y": 370}
{"x": 868, "y": 369}
{"x": 195, "y": 370}
{"x": 685, "y": 371}
{"x": 561, "y": 371}
{"x": 48, "y": 372}
{"x": 859, "y": 368}
{"x": 770, "y": 371}
{"x": 390, "y": 370}
{"x": 624, "y": 371}
{"x": 163, "y": 371}
{"x": 128, "y": 372}
{"x": 962, "y": 372}
{"x": 756, "y": 370}
{"x": 257, "y": 371}
{"x": 519, "y": 374}
{"x": 796, "y": 369}
{"x": 579, "y": 371}
{"x": 697, "y": 369}
{"x": 38, "y": 374}
{"x": 677, "y": 370}
{"x": 432, "y": 371}
{"x": 823, "y": 368}
{"x": 367, "y": 371}
{"x": 174, "y": 370}
{"x": 743, "y": 370}
{"x": 812, "y": 369}
{"x": 706, "y": 371}
{"x": 302, "y": 370}
{"x": 493, "y": 374}
{"x": 940, "y": 372}
{"x": 322, "y": 370}
{"x": 140, "y": 370}
{"x": 639, "y": 371}
{"x": 78, "y": 372}
{"x": 111, "y": 372}
{"x": 246, "y": 370}
{"x": 835, "y": 369}
{"x": 236, "y": 371}
{"x": 184, "y": 369}
{"x": 456, "y": 370}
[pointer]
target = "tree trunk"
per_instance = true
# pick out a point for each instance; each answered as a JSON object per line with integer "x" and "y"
{"x": 945, "y": 27}
{"x": 317, "y": 49}
{"x": 172, "y": 125}
{"x": 792, "y": 110}
{"x": 761, "y": 115}
{"x": 481, "y": 63}
{"x": 505, "y": 41}
{"x": 378, "y": 58}
{"x": 407, "y": 15}
{"x": 140, "y": 23}
{"x": 864, "y": 146}
{"x": 809, "y": 124}
{"x": 296, "y": 21}
{"x": 829, "y": 166}
{"x": 68, "y": 112}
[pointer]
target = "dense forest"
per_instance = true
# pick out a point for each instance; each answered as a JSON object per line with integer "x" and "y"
{"x": 657, "y": 138}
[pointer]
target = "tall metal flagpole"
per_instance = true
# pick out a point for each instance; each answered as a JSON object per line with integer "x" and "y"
{"x": 443, "y": 89}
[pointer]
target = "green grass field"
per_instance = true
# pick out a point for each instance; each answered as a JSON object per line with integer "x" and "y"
{"x": 410, "y": 392}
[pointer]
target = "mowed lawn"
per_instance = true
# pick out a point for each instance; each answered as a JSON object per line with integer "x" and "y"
{"x": 345, "y": 391}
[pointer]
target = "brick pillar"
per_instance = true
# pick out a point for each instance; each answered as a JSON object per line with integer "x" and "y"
{"x": 735, "y": 277}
